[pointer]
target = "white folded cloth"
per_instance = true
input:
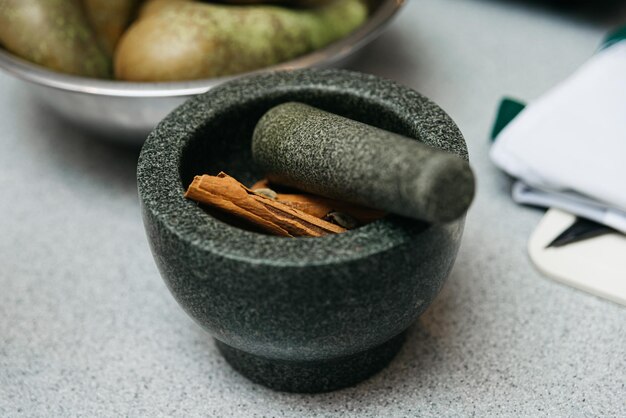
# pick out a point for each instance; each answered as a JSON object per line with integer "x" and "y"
{"x": 568, "y": 148}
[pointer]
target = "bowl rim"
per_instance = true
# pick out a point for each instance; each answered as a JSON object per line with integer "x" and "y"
{"x": 161, "y": 188}
{"x": 379, "y": 18}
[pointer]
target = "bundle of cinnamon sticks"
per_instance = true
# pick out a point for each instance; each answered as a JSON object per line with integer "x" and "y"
{"x": 282, "y": 214}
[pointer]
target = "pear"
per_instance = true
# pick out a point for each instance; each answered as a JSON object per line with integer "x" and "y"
{"x": 109, "y": 19}
{"x": 291, "y": 3}
{"x": 185, "y": 39}
{"x": 152, "y": 7}
{"x": 52, "y": 33}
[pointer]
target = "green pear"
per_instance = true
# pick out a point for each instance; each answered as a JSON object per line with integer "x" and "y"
{"x": 109, "y": 19}
{"x": 185, "y": 39}
{"x": 52, "y": 33}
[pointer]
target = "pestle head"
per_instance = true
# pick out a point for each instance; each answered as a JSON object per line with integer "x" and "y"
{"x": 445, "y": 189}
{"x": 333, "y": 156}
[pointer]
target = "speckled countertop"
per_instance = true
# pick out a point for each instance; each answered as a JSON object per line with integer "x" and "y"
{"x": 87, "y": 327}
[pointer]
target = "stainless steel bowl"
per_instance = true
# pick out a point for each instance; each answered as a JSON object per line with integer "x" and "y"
{"x": 127, "y": 112}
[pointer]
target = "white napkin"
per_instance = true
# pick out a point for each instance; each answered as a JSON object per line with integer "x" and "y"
{"x": 568, "y": 148}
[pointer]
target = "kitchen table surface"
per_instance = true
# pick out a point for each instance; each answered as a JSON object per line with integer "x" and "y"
{"x": 87, "y": 326}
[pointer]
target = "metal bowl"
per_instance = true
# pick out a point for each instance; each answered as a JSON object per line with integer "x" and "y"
{"x": 127, "y": 112}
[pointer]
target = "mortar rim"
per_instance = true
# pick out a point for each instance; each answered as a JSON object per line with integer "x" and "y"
{"x": 189, "y": 223}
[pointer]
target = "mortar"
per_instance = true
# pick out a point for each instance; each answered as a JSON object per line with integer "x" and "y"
{"x": 294, "y": 314}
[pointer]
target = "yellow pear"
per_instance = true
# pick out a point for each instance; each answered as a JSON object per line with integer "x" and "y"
{"x": 185, "y": 39}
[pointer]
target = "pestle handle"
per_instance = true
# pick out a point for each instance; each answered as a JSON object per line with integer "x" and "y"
{"x": 323, "y": 153}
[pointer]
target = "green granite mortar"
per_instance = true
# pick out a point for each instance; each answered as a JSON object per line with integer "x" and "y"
{"x": 294, "y": 314}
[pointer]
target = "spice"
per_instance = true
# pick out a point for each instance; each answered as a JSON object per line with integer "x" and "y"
{"x": 321, "y": 207}
{"x": 269, "y": 193}
{"x": 342, "y": 219}
{"x": 227, "y": 194}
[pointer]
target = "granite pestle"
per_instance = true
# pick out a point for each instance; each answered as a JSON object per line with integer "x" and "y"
{"x": 323, "y": 153}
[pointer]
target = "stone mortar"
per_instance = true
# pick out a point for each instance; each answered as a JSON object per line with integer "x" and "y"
{"x": 295, "y": 314}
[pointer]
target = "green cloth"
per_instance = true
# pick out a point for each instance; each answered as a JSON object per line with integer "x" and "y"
{"x": 507, "y": 111}
{"x": 613, "y": 37}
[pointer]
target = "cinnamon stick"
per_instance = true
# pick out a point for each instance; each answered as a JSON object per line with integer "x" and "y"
{"x": 319, "y": 206}
{"x": 225, "y": 193}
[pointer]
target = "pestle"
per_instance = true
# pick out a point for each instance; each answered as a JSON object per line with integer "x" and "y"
{"x": 326, "y": 154}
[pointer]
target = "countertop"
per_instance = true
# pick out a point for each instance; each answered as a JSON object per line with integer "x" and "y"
{"x": 87, "y": 326}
